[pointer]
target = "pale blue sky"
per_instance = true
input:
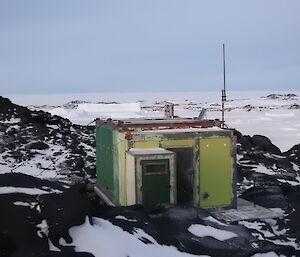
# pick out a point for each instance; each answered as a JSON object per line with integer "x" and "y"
{"x": 58, "y": 46}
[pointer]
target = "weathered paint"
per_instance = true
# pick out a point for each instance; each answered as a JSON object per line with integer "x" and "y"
{"x": 215, "y": 175}
{"x": 116, "y": 166}
{"x": 117, "y": 181}
{"x": 175, "y": 143}
{"x": 146, "y": 144}
{"x": 135, "y": 178}
{"x": 122, "y": 146}
{"x": 130, "y": 180}
{"x": 220, "y": 184}
{"x": 105, "y": 164}
{"x": 155, "y": 182}
{"x": 111, "y": 171}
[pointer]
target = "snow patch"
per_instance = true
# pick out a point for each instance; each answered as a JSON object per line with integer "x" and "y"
{"x": 25, "y": 204}
{"x": 203, "y": 231}
{"x": 25, "y": 190}
{"x": 212, "y": 219}
{"x": 292, "y": 183}
{"x": 105, "y": 239}
{"x": 262, "y": 169}
{"x": 268, "y": 254}
{"x": 52, "y": 247}
{"x": 296, "y": 167}
{"x": 257, "y": 226}
{"x": 43, "y": 229}
{"x": 52, "y": 126}
{"x": 120, "y": 217}
{"x": 13, "y": 120}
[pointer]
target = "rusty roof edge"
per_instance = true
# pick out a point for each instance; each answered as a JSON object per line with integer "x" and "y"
{"x": 156, "y": 123}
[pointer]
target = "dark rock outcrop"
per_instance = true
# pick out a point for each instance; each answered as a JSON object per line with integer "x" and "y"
{"x": 267, "y": 196}
{"x": 21, "y": 215}
{"x": 294, "y": 154}
{"x": 255, "y": 143}
{"x": 25, "y": 131}
{"x": 282, "y": 96}
{"x": 39, "y": 145}
{"x": 263, "y": 143}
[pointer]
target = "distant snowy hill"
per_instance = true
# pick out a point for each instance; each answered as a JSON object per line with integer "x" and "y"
{"x": 275, "y": 115}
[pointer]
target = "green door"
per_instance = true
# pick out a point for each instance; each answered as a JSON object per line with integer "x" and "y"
{"x": 155, "y": 182}
{"x": 215, "y": 172}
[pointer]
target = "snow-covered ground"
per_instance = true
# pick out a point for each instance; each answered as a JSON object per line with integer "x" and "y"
{"x": 249, "y": 112}
{"x": 87, "y": 238}
{"x": 38, "y": 149}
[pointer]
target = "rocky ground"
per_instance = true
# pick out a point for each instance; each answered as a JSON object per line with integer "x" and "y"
{"x": 41, "y": 158}
{"x": 46, "y": 163}
{"x": 271, "y": 179}
{"x": 39, "y": 142}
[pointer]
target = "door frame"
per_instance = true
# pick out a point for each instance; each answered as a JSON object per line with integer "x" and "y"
{"x": 195, "y": 158}
{"x": 139, "y": 175}
{"x": 149, "y": 186}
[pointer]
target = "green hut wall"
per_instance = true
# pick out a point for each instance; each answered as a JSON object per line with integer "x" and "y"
{"x": 207, "y": 163}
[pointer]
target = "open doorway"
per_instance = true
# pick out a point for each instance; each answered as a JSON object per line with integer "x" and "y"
{"x": 185, "y": 174}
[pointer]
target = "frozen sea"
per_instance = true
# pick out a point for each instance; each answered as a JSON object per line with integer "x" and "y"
{"x": 250, "y": 112}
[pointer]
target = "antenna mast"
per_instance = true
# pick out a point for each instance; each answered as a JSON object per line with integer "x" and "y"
{"x": 223, "y": 90}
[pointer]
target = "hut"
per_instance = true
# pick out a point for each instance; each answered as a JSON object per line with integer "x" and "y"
{"x": 156, "y": 161}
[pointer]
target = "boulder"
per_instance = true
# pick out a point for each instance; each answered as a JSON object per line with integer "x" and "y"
{"x": 267, "y": 196}
{"x": 38, "y": 145}
{"x": 265, "y": 144}
{"x": 295, "y": 106}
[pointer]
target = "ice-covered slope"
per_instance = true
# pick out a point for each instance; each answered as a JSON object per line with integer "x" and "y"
{"x": 84, "y": 113}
